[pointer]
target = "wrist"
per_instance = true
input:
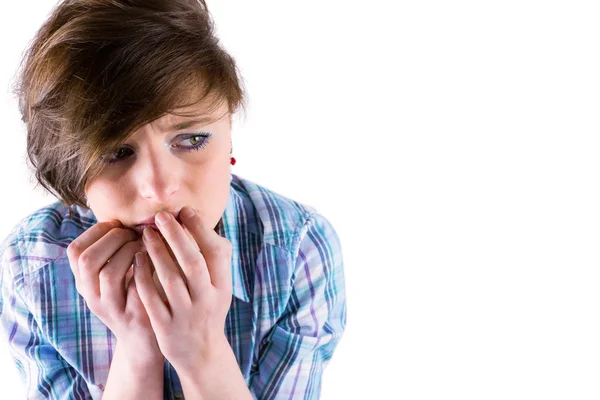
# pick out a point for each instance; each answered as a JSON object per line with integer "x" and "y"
{"x": 216, "y": 376}
{"x": 139, "y": 354}
{"x": 130, "y": 378}
{"x": 205, "y": 360}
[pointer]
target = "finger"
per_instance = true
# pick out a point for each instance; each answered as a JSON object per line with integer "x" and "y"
{"x": 168, "y": 273}
{"x": 83, "y": 241}
{"x": 186, "y": 252}
{"x": 133, "y": 301}
{"x": 161, "y": 290}
{"x": 112, "y": 276}
{"x": 215, "y": 249}
{"x": 128, "y": 277}
{"x": 97, "y": 254}
{"x": 157, "y": 310}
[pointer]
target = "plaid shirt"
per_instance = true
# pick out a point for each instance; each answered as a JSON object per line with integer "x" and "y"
{"x": 287, "y": 314}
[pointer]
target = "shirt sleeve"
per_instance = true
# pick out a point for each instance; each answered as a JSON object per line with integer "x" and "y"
{"x": 302, "y": 342}
{"x": 44, "y": 373}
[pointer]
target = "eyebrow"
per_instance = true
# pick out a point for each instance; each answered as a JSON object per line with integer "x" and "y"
{"x": 184, "y": 125}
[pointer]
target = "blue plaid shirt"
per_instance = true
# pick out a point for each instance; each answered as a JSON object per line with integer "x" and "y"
{"x": 287, "y": 314}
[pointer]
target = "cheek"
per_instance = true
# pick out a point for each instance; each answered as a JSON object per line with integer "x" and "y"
{"x": 105, "y": 199}
{"x": 208, "y": 178}
{"x": 209, "y": 193}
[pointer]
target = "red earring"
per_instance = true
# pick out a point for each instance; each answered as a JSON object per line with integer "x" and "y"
{"x": 232, "y": 160}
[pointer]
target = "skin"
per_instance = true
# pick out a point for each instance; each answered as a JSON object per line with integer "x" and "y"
{"x": 160, "y": 177}
{"x": 190, "y": 261}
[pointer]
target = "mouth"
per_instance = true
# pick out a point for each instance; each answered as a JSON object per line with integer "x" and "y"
{"x": 140, "y": 228}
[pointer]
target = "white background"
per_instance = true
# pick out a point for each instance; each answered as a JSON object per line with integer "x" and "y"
{"x": 455, "y": 148}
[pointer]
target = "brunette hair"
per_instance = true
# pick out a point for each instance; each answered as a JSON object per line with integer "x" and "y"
{"x": 98, "y": 70}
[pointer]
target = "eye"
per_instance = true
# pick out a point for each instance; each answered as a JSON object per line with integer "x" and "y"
{"x": 197, "y": 141}
{"x": 119, "y": 155}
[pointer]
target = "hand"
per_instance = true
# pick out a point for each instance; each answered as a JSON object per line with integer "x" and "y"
{"x": 191, "y": 324}
{"x": 101, "y": 259}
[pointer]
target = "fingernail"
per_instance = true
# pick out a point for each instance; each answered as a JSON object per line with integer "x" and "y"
{"x": 139, "y": 259}
{"x": 187, "y": 212}
{"x": 149, "y": 233}
{"x": 162, "y": 217}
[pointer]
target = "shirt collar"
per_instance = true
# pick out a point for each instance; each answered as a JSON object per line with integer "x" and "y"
{"x": 229, "y": 227}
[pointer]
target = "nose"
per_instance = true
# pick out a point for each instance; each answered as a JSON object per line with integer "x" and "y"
{"x": 158, "y": 179}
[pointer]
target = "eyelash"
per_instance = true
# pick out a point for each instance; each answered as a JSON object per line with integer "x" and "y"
{"x": 196, "y": 147}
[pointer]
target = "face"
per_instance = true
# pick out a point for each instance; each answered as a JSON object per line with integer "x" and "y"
{"x": 164, "y": 167}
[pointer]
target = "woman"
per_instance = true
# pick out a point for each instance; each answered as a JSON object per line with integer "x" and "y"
{"x": 158, "y": 273}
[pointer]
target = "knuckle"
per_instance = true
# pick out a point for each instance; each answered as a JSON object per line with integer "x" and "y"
{"x": 83, "y": 290}
{"x": 120, "y": 234}
{"x": 80, "y": 289}
{"x": 92, "y": 301}
{"x": 107, "y": 277}
{"x": 196, "y": 271}
{"x": 110, "y": 222}
{"x": 223, "y": 250}
{"x": 73, "y": 250}
{"x": 219, "y": 253}
{"x": 100, "y": 229}
{"x": 86, "y": 284}
{"x": 195, "y": 261}
{"x": 94, "y": 305}
{"x": 108, "y": 225}
{"x": 85, "y": 261}
{"x": 133, "y": 247}
{"x": 170, "y": 281}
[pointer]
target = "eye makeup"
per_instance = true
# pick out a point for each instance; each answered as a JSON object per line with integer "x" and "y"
{"x": 197, "y": 141}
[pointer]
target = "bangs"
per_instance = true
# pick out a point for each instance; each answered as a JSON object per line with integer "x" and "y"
{"x": 97, "y": 71}
{"x": 191, "y": 97}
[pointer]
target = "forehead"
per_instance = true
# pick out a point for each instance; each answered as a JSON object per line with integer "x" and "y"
{"x": 196, "y": 115}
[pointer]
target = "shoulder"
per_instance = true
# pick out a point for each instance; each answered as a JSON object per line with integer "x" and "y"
{"x": 42, "y": 237}
{"x": 298, "y": 280}
{"x": 282, "y": 219}
{"x": 285, "y": 222}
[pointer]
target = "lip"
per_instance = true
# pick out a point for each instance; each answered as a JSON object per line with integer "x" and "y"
{"x": 150, "y": 222}
{"x": 140, "y": 228}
